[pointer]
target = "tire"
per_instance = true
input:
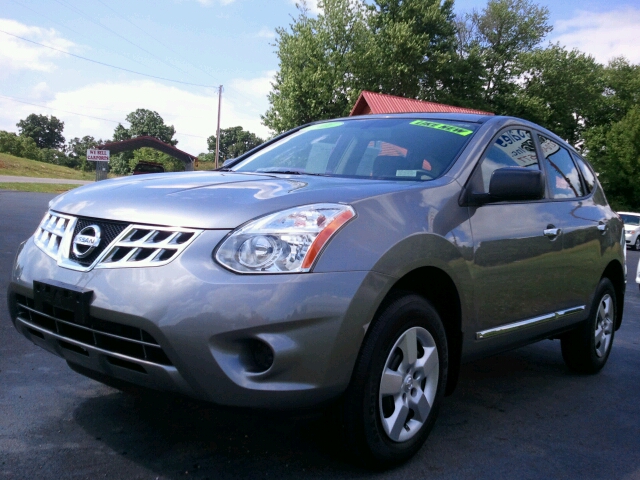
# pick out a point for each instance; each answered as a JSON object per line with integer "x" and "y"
{"x": 586, "y": 349}
{"x": 405, "y": 355}
{"x": 636, "y": 245}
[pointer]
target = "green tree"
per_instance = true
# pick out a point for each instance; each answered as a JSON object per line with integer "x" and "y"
{"x": 401, "y": 47}
{"x": 10, "y": 143}
{"x": 318, "y": 65}
{"x": 500, "y": 35}
{"x": 621, "y": 91}
{"x": 19, "y": 146}
{"x": 145, "y": 122}
{"x": 77, "y": 151}
{"x": 44, "y": 130}
{"x": 234, "y": 142}
{"x": 413, "y": 46}
{"x": 561, "y": 90}
{"x": 615, "y": 154}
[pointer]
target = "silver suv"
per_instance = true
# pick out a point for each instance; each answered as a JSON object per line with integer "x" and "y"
{"x": 359, "y": 260}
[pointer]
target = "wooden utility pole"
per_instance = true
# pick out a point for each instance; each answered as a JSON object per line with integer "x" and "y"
{"x": 218, "y": 129}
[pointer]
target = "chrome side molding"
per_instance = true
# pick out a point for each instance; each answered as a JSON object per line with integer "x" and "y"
{"x": 511, "y": 327}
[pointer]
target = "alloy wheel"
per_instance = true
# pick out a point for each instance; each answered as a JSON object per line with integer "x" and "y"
{"x": 408, "y": 384}
{"x": 604, "y": 326}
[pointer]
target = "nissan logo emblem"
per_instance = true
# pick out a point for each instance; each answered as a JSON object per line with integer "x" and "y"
{"x": 86, "y": 241}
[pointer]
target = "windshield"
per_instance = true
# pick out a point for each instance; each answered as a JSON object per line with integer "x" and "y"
{"x": 393, "y": 149}
{"x": 630, "y": 219}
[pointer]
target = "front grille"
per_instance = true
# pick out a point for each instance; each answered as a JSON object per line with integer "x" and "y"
{"x": 51, "y": 231}
{"x": 109, "y": 232}
{"x": 121, "y": 244}
{"x": 111, "y": 337}
{"x": 147, "y": 246}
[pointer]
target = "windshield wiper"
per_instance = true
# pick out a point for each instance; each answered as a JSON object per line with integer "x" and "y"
{"x": 289, "y": 172}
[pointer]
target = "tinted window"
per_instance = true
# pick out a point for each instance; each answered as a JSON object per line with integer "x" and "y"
{"x": 587, "y": 175}
{"x": 562, "y": 174}
{"x": 630, "y": 219}
{"x": 395, "y": 149}
{"x": 512, "y": 148}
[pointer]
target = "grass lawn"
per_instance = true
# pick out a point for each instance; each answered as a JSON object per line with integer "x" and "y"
{"x": 23, "y": 167}
{"x": 37, "y": 187}
{"x": 206, "y": 165}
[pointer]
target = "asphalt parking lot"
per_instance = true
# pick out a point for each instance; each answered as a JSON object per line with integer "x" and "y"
{"x": 517, "y": 415}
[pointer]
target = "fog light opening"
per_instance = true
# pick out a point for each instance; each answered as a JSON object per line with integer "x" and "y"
{"x": 262, "y": 356}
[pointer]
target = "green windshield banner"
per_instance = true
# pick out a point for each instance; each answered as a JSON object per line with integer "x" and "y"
{"x": 443, "y": 126}
{"x": 322, "y": 126}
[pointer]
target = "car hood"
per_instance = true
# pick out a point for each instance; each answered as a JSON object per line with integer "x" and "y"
{"x": 210, "y": 200}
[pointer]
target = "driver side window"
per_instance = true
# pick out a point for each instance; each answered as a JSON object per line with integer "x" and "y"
{"x": 511, "y": 148}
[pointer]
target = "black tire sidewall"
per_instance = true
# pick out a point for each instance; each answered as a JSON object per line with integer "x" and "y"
{"x": 401, "y": 313}
{"x": 579, "y": 345}
{"x": 605, "y": 287}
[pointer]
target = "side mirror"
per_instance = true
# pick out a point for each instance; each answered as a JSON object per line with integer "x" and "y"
{"x": 512, "y": 184}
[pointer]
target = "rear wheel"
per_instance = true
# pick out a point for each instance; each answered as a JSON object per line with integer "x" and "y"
{"x": 398, "y": 382}
{"x": 586, "y": 349}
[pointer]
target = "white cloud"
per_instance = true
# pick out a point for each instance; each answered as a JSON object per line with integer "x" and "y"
{"x": 41, "y": 91}
{"x": 257, "y": 88}
{"x": 311, "y": 4}
{"x": 191, "y": 113}
{"x": 209, "y": 2}
{"x": 16, "y": 54}
{"x": 602, "y": 34}
{"x": 266, "y": 33}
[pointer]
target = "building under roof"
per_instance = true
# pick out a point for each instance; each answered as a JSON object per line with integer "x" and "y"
{"x": 152, "y": 142}
{"x": 372, "y": 103}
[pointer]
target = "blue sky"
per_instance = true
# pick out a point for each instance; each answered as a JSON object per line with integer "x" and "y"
{"x": 207, "y": 42}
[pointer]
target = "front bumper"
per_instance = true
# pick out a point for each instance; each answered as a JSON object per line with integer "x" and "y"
{"x": 630, "y": 238}
{"x": 205, "y": 320}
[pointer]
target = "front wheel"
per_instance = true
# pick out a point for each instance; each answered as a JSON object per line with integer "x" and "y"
{"x": 586, "y": 349}
{"x": 636, "y": 245}
{"x": 398, "y": 382}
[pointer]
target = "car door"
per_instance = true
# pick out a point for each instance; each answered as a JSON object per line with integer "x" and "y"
{"x": 582, "y": 219}
{"x": 517, "y": 249}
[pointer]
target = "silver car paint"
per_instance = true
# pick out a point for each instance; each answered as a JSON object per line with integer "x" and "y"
{"x": 201, "y": 313}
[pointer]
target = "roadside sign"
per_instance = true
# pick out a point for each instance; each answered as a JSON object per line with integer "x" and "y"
{"x": 97, "y": 155}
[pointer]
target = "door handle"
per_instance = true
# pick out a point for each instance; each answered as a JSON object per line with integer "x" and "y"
{"x": 603, "y": 227}
{"x": 552, "y": 232}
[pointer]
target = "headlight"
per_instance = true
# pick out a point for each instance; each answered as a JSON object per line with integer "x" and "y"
{"x": 283, "y": 242}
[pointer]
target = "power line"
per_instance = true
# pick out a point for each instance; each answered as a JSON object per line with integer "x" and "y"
{"x": 84, "y": 115}
{"x": 169, "y": 48}
{"x": 237, "y": 92}
{"x": 77, "y": 10}
{"x": 75, "y": 31}
{"x": 109, "y": 65}
{"x": 154, "y": 38}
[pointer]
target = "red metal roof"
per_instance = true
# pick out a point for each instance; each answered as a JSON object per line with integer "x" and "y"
{"x": 370, "y": 102}
{"x": 146, "y": 141}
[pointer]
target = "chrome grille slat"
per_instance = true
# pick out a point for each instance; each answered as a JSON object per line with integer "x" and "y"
{"x": 94, "y": 331}
{"x": 51, "y": 232}
{"x": 86, "y": 345}
{"x": 55, "y": 233}
{"x": 169, "y": 244}
{"x": 126, "y": 341}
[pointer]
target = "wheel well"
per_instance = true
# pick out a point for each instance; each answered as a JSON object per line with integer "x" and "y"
{"x": 615, "y": 273}
{"x": 437, "y": 287}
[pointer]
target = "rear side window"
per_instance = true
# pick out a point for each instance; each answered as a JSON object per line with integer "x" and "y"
{"x": 587, "y": 175}
{"x": 562, "y": 174}
{"x": 512, "y": 148}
